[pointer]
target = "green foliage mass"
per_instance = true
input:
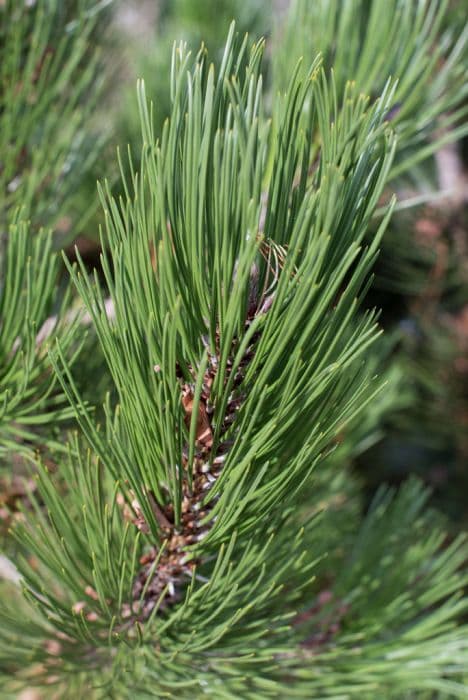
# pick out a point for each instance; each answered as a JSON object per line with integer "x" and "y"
{"x": 49, "y": 80}
{"x": 369, "y": 41}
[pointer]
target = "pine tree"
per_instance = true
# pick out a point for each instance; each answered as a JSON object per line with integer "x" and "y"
{"x": 203, "y": 535}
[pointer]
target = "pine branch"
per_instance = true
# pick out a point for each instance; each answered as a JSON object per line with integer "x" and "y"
{"x": 30, "y": 394}
{"x": 235, "y": 343}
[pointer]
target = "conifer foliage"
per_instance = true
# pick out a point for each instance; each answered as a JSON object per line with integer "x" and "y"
{"x": 48, "y": 83}
{"x": 49, "y": 80}
{"x": 201, "y": 538}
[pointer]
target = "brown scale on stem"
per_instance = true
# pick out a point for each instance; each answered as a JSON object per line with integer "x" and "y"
{"x": 163, "y": 580}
